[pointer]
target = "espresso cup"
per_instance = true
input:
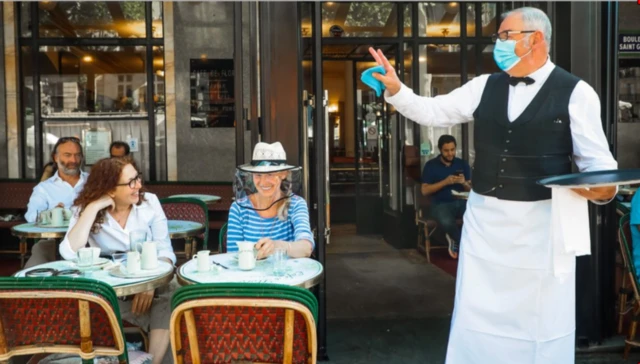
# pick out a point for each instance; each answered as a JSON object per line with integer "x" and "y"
{"x": 95, "y": 254}
{"x": 57, "y": 216}
{"x": 85, "y": 257}
{"x": 202, "y": 261}
{"x": 246, "y": 255}
{"x": 44, "y": 218}
{"x": 133, "y": 262}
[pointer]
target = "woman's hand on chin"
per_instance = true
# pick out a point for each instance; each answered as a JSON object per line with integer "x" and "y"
{"x": 104, "y": 202}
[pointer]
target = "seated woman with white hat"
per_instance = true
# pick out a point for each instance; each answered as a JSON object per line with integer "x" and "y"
{"x": 266, "y": 210}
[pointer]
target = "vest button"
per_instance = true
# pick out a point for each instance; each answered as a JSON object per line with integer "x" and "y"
{"x": 510, "y": 131}
{"x": 504, "y": 159}
{"x": 506, "y": 150}
{"x": 502, "y": 171}
{"x": 500, "y": 186}
{"x": 507, "y": 141}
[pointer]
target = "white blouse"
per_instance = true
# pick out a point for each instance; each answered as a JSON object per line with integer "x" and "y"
{"x": 111, "y": 237}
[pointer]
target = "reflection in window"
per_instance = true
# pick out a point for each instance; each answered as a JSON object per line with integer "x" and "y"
{"x": 28, "y": 105}
{"x": 92, "y": 81}
{"x": 351, "y": 19}
{"x": 156, "y": 19}
{"x": 439, "y": 70}
{"x": 159, "y": 113}
{"x": 25, "y": 19}
{"x": 95, "y": 19}
{"x": 488, "y": 63}
{"x": 407, "y": 20}
{"x": 439, "y": 19}
{"x": 629, "y": 90}
{"x": 489, "y": 19}
{"x": 306, "y": 28}
{"x": 471, "y": 19}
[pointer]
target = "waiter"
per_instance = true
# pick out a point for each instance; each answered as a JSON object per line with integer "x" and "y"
{"x": 532, "y": 120}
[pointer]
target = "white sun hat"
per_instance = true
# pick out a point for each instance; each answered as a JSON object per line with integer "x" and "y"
{"x": 267, "y": 158}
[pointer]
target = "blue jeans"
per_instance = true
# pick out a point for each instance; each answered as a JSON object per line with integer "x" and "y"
{"x": 446, "y": 214}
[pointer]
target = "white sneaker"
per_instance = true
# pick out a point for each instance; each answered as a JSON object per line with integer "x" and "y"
{"x": 453, "y": 247}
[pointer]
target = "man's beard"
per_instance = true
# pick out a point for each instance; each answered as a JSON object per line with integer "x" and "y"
{"x": 448, "y": 159}
{"x": 69, "y": 171}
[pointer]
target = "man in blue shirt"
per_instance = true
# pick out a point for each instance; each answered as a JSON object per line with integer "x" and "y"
{"x": 440, "y": 177}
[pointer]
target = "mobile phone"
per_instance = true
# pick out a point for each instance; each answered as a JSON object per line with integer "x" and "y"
{"x": 460, "y": 172}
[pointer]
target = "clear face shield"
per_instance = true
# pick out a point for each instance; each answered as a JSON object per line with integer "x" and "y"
{"x": 260, "y": 190}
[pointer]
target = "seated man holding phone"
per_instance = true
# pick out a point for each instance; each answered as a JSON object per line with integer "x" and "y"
{"x": 441, "y": 176}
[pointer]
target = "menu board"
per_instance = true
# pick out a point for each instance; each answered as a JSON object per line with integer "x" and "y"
{"x": 96, "y": 144}
{"x": 212, "y": 93}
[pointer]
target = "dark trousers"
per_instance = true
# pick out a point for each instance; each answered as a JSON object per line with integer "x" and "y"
{"x": 446, "y": 214}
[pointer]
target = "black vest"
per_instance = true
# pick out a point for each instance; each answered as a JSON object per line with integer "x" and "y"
{"x": 512, "y": 156}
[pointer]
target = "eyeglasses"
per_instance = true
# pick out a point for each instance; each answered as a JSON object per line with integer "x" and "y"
{"x": 132, "y": 183}
{"x": 505, "y": 34}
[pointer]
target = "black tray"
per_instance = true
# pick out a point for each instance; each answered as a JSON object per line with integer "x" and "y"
{"x": 614, "y": 177}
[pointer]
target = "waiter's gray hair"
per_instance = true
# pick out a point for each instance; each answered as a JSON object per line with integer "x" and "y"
{"x": 534, "y": 19}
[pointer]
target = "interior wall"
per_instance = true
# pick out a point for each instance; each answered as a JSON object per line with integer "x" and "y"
{"x": 204, "y": 30}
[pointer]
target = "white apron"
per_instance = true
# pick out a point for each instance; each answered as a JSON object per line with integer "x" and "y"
{"x": 509, "y": 307}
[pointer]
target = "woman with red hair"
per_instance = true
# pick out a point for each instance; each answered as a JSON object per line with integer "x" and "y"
{"x": 113, "y": 203}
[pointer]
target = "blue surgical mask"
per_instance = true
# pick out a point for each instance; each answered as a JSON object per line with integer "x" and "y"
{"x": 504, "y": 53}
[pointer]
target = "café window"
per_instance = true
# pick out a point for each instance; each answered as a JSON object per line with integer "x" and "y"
{"x": 96, "y": 67}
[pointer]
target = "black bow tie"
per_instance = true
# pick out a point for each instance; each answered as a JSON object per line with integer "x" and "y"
{"x": 516, "y": 80}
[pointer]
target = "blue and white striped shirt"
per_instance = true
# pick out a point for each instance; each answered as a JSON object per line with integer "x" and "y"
{"x": 246, "y": 225}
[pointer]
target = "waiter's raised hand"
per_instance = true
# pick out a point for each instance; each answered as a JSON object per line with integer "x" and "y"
{"x": 390, "y": 80}
{"x": 596, "y": 193}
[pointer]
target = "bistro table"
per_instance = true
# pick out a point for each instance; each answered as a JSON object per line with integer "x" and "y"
{"x": 300, "y": 272}
{"x": 122, "y": 286}
{"x": 32, "y": 231}
{"x": 210, "y": 200}
{"x": 187, "y": 230}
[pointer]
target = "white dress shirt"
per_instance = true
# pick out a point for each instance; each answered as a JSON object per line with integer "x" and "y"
{"x": 111, "y": 237}
{"x": 590, "y": 147}
{"x": 49, "y": 193}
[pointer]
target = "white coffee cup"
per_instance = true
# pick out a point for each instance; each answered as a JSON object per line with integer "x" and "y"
{"x": 85, "y": 257}
{"x": 203, "y": 262}
{"x": 57, "y": 216}
{"x": 246, "y": 255}
{"x": 96, "y": 254}
{"x": 148, "y": 254}
{"x": 133, "y": 262}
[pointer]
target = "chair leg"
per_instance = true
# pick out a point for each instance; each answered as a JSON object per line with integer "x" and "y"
{"x": 427, "y": 243}
{"x": 622, "y": 302}
{"x": 23, "y": 251}
{"x": 632, "y": 333}
{"x": 188, "y": 247}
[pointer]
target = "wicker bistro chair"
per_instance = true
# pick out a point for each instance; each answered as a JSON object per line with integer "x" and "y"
{"x": 222, "y": 239}
{"x": 243, "y": 323}
{"x": 189, "y": 209}
{"x": 59, "y": 315}
{"x": 626, "y": 246}
{"x": 426, "y": 226}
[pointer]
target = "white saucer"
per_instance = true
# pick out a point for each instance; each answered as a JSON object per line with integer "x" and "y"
{"x": 235, "y": 259}
{"x": 64, "y": 224}
{"x": 100, "y": 263}
{"x": 120, "y": 271}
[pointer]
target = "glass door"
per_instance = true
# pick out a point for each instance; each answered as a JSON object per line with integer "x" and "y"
{"x": 373, "y": 163}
